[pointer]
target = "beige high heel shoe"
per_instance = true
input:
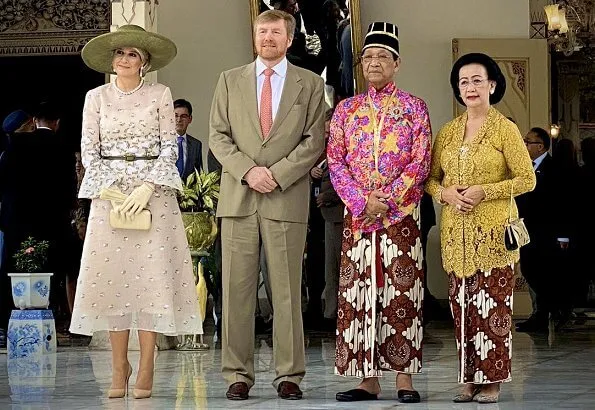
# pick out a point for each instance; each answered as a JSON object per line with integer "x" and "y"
{"x": 119, "y": 393}
{"x": 140, "y": 393}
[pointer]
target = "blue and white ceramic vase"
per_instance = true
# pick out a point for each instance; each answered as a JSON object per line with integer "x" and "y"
{"x": 30, "y": 290}
{"x": 31, "y": 334}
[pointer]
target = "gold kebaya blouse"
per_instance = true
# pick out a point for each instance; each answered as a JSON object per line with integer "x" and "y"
{"x": 495, "y": 158}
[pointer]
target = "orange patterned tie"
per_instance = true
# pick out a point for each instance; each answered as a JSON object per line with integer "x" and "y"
{"x": 266, "y": 103}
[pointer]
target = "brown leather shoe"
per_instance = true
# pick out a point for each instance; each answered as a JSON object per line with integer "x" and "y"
{"x": 238, "y": 391}
{"x": 289, "y": 391}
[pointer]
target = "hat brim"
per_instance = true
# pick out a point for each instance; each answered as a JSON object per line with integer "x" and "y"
{"x": 98, "y": 52}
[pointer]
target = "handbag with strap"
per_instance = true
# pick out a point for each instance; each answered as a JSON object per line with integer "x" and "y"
{"x": 515, "y": 231}
{"x": 140, "y": 222}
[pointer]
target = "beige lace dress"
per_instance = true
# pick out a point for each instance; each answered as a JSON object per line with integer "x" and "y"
{"x": 132, "y": 279}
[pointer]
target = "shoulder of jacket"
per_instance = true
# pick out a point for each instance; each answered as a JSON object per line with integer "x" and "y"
{"x": 236, "y": 70}
{"x": 411, "y": 99}
{"x": 450, "y": 125}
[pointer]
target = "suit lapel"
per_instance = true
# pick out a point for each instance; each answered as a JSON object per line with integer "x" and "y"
{"x": 191, "y": 154}
{"x": 291, "y": 90}
{"x": 248, "y": 82}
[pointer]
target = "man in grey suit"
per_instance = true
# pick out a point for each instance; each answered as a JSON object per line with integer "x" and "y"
{"x": 266, "y": 129}
{"x": 189, "y": 148}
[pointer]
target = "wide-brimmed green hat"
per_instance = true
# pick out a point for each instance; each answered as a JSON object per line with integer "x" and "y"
{"x": 98, "y": 52}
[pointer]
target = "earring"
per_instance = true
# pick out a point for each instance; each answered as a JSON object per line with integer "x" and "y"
{"x": 492, "y": 91}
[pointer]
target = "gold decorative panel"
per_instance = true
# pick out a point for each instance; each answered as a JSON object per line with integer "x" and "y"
{"x": 51, "y": 27}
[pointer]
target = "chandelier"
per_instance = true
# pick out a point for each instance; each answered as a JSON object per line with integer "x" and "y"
{"x": 571, "y": 25}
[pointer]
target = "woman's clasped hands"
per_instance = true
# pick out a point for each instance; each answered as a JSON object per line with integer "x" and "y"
{"x": 462, "y": 197}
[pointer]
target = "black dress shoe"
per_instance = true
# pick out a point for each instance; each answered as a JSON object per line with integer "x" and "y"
{"x": 408, "y": 396}
{"x": 289, "y": 391}
{"x": 238, "y": 391}
{"x": 356, "y": 395}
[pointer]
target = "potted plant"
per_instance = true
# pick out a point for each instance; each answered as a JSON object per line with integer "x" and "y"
{"x": 198, "y": 201}
{"x": 31, "y": 285}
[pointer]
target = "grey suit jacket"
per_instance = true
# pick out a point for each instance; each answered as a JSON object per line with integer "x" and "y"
{"x": 293, "y": 145}
{"x": 194, "y": 157}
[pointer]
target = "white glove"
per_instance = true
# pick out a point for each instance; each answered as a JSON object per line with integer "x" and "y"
{"x": 137, "y": 200}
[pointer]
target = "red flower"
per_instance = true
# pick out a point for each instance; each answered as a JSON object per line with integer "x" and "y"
{"x": 30, "y": 250}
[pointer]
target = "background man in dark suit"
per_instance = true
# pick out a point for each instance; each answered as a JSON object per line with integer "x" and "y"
{"x": 544, "y": 230}
{"x": 189, "y": 148}
{"x": 37, "y": 187}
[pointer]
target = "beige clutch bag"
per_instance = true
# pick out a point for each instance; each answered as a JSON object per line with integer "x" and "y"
{"x": 140, "y": 222}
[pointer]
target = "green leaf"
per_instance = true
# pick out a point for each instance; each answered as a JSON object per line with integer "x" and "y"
{"x": 191, "y": 179}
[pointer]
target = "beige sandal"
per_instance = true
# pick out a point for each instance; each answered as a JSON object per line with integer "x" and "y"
{"x": 466, "y": 397}
{"x": 484, "y": 398}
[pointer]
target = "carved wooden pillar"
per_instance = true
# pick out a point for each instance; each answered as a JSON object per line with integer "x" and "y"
{"x": 569, "y": 102}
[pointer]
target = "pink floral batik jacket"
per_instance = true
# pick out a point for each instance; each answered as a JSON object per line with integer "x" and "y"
{"x": 403, "y": 153}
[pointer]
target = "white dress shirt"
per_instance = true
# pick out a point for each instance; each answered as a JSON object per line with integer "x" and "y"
{"x": 277, "y": 82}
{"x": 537, "y": 161}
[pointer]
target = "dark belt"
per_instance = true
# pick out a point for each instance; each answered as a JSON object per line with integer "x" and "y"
{"x": 130, "y": 157}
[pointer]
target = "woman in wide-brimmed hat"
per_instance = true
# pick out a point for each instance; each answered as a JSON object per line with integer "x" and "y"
{"x": 132, "y": 279}
{"x": 478, "y": 161}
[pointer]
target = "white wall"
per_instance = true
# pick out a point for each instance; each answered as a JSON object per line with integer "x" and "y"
{"x": 211, "y": 36}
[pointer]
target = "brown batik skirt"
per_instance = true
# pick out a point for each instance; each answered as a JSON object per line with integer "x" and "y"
{"x": 379, "y": 322}
{"x": 482, "y": 310}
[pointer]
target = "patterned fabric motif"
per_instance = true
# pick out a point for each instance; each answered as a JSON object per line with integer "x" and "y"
{"x": 142, "y": 124}
{"x": 391, "y": 340}
{"x": 266, "y": 103}
{"x": 482, "y": 310}
{"x": 494, "y": 159}
{"x": 404, "y": 154}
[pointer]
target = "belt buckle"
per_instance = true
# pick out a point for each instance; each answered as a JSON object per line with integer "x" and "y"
{"x": 129, "y": 157}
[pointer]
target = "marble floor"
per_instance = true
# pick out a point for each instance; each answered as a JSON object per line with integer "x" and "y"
{"x": 549, "y": 371}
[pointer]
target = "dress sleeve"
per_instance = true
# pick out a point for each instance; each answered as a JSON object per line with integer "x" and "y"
{"x": 415, "y": 173}
{"x": 164, "y": 171}
{"x": 354, "y": 196}
{"x": 434, "y": 183}
{"x": 98, "y": 174}
{"x": 518, "y": 162}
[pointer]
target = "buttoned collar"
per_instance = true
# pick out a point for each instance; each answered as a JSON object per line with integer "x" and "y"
{"x": 387, "y": 90}
{"x": 280, "y": 69}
